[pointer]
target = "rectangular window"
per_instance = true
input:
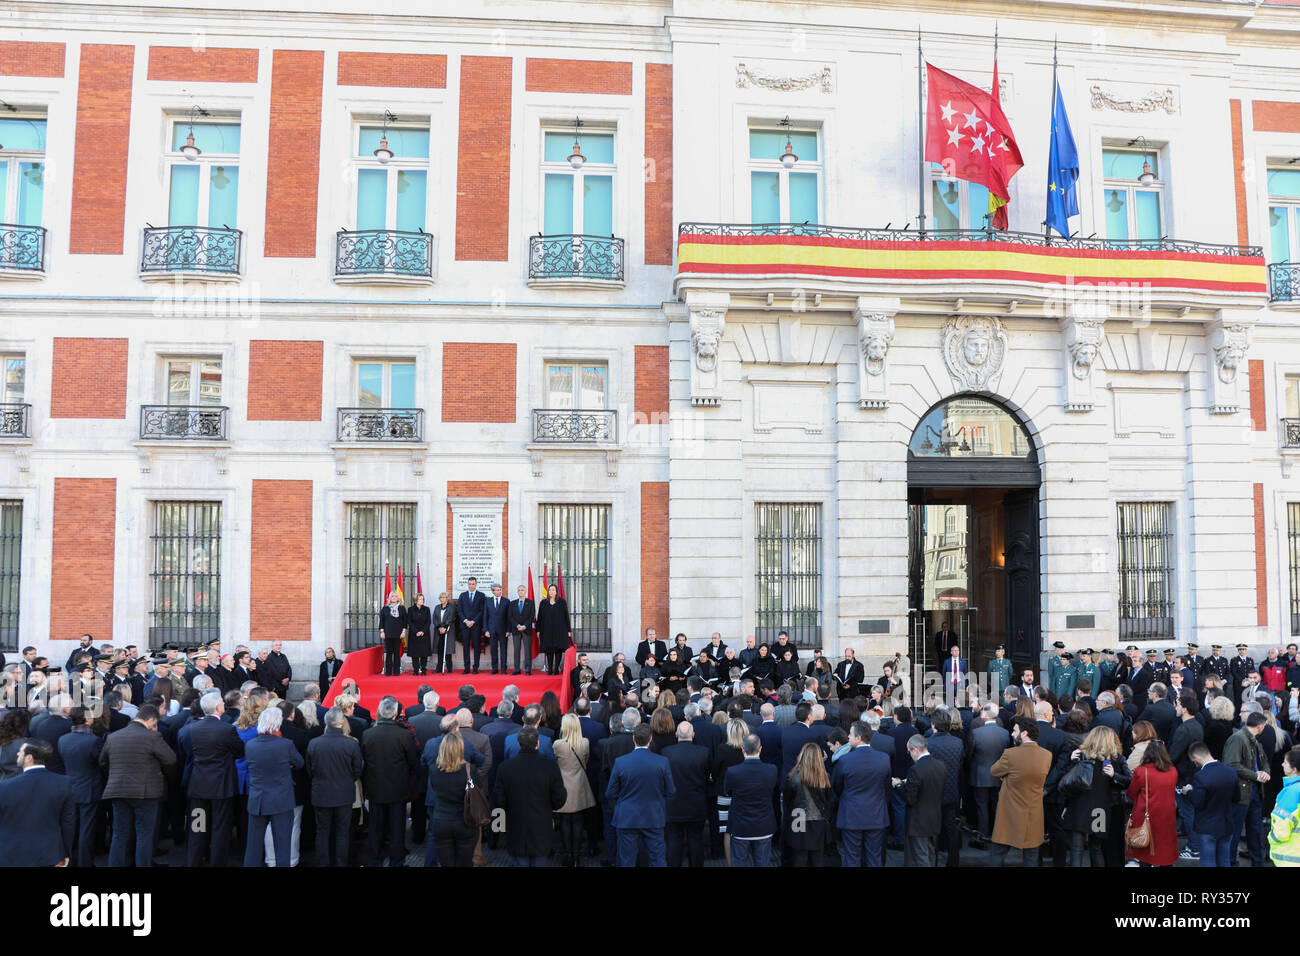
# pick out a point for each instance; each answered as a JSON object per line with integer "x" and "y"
{"x": 577, "y": 386}
{"x": 1132, "y": 194}
{"x": 15, "y": 378}
{"x": 392, "y": 194}
{"x": 377, "y": 533}
{"x": 22, "y": 189}
{"x": 955, "y": 203}
{"x": 11, "y": 561}
{"x": 385, "y": 384}
{"x": 1284, "y": 215}
{"x": 788, "y": 571}
{"x": 781, "y": 194}
{"x": 1293, "y": 561}
{"x": 186, "y": 572}
{"x": 575, "y": 540}
{"x": 1146, "y": 569}
{"x": 204, "y": 190}
{"x": 193, "y": 381}
{"x": 578, "y": 201}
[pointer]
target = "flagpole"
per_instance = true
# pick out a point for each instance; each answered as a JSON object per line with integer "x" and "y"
{"x": 920, "y": 135}
{"x": 1047, "y": 230}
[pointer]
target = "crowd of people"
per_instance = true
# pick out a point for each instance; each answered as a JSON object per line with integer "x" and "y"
{"x": 758, "y": 755}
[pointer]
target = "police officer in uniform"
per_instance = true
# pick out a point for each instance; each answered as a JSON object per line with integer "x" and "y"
{"x": 1055, "y": 662}
{"x": 1084, "y": 667}
{"x": 1161, "y": 668}
{"x": 1196, "y": 664}
{"x": 1217, "y": 665}
{"x": 999, "y": 673}
{"x": 1107, "y": 667}
{"x": 1238, "y": 668}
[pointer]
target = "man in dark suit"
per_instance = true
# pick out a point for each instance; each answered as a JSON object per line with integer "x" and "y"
{"x": 650, "y": 645}
{"x": 770, "y": 735}
{"x": 54, "y": 726}
{"x": 1160, "y": 712}
{"x": 945, "y": 746}
{"x": 471, "y": 615}
{"x": 392, "y": 628}
{"x": 923, "y": 791}
{"x": 902, "y": 731}
{"x": 956, "y": 671}
{"x": 1052, "y": 740}
{"x": 688, "y": 809}
{"x": 37, "y": 811}
{"x": 496, "y": 731}
{"x": 746, "y": 802}
{"x": 496, "y": 630}
{"x": 796, "y": 735}
{"x": 209, "y": 748}
{"x": 135, "y": 760}
{"x": 860, "y": 783}
{"x": 427, "y": 723}
{"x": 334, "y": 765}
{"x": 271, "y": 759}
{"x": 529, "y": 789}
{"x": 1212, "y": 795}
{"x": 388, "y": 750}
{"x": 944, "y": 638}
{"x": 849, "y": 676}
{"x": 519, "y": 622}
{"x": 80, "y": 752}
{"x": 639, "y": 790}
{"x": 619, "y": 743}
{"x": 416, "y": 709}
{"x": 1142, "y": 678}
{"x": 984, "y": 747}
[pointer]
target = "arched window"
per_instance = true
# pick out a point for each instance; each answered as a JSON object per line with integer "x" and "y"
{"x": 970, "y": 427}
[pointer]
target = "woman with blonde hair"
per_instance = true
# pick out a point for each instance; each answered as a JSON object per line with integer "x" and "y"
{"x": 807, "y": 792}
{"x": 729, "y": 753}
{"x": 448, "y": 778}
{"x": 573, "y": 754}
{"x": 1092, "y": 787}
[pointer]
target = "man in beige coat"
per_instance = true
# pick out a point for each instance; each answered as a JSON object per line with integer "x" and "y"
{"x": 1022, "y": 768}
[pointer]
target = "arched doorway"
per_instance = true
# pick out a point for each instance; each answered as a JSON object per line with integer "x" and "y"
{"x": 972, "y": 491}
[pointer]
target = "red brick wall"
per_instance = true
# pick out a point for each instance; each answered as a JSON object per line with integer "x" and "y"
{"x": 659, "y": 164}
{"x": 279, "y": 557}
{"x": 99, "y": 163}
{"x": 466, "y": 367}
{"x": 1261, "y": 561}
{"x": 654, "y": 557}
{"x": 1258, "y": 412}
{"x": 1238, "y": 172}
{"x": 26, "y": 58}
{"x": 578, "y": 76}
{"x": 293, "y": 156}
{"x": 1275, "y": 117}
{"x": 651, "y": 398}
{"x": 88, "y": 378}
{"x": 480, "y": 489}
{"x": 181, "y": 64}
{"x": 420, "y": 71}
{"x": 284, "y": 380}
{"x": 81, "y": 559}
{"x": 483, "y": 166}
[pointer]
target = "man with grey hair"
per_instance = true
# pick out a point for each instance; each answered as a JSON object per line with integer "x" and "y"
{"x": 388, "y": 749}
{"x": 271, "y": 762}
{"x": 510, "y": 695}
{"x": 923, "y": 793}
{"x": 209, "y": 748}
{"x": 688, "y": 808}
{"x": 334, "y": 765}
{"x": 53, "y": 725}
{"x": 746, "y": 802}
{"x": 617, "y": 744}
{"x": 984, "y": 747}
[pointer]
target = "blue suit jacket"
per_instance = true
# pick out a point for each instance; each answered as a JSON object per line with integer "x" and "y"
{"x": 1214, "y": 793}
{"x": 471, "y": 607}
{"x": 792, "y": 740}
{"x": 37, "y": 819}
{"x": 271, "y": 762}
{"x": 770, "y": 735}
{"x": 495, "y": 623}
{"x": 80, "y": 753}
{"x": 544, "y": 746}
{"x": 861, "y": 786}
{"x": 639, "y": 788}
{"x": 210, "y": 747}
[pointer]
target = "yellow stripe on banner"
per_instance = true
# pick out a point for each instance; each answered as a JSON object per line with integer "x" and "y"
{"x": 974, "y": 256}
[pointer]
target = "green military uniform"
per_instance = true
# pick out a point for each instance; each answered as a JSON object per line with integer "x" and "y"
{"x": 999, "y": 677}
{"x": 1065, "y": 678}
{"x": 1090, "y": 671}
{"x": 1108, "y": 673}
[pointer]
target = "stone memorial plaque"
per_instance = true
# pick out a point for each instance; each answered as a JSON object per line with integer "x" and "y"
{"x": 476, "y": 544}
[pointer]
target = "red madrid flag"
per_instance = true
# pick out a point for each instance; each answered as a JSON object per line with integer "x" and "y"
{"x": 967, "y": 133}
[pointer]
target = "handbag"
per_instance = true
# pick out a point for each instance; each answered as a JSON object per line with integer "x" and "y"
{"x": 477, "y": 809}
{"x": 1139, "y": 837}
{"x": 1078, "y": 779}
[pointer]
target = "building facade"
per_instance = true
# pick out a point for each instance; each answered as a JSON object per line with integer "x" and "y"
{"x": 625, "y": 289}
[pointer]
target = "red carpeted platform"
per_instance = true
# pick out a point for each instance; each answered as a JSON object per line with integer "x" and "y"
{"x": 364, "y": 666}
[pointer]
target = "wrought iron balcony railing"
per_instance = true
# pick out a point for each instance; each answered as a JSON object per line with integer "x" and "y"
{"x": 1284, "y": 282}
{"x": 1291, "y": 433}
{"x": 381, "y": 424}
{"x": 383, "y": 252}
{"x": 15, "y": 420}
{"x": 575, "y": 257}
{"x": 569, "y": 426}
{"x": 183, "y": 422}
{"x": 22, "y": 247}
{"x": 208, "y": 250}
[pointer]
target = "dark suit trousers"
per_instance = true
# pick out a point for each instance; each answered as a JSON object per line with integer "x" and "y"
{"x": 333, "y": 833}
{"x": 419, "y": 818}
{"x": 523, "y": 648}
{"x": 87, "y": 832}
{"x": 281, "y": 825}
{"x": 389, "y": 818}
{"x": 392, "y": 657}
{"x": 862, "y": 847}
{"x": 468, "y": 645}
{"x": 497, "y": 646}
{"x": 133, "y": 828}
{"x": 951, "y": 833}
{"x": 209, "y": 828}
{"x": 998, "y": 855}
{"x": 1058, "y": 839}
{"x": 985, "y": 802}
{"x": 631, "y": 840}
{"x": 686, "y": 839}
{"x": 922, "y": 851}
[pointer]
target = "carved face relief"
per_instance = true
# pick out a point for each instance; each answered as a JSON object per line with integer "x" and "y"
{"x": 975, "y": 346}
{"x": 705, "y": 343}
{"x": 1084, "y": 355}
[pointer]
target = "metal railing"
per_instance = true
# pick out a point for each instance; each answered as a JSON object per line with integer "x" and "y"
{"x": 183, "y": 422}
{"x": 15, "y": 420}
{"x": 383, "y": 252}
{"x": 963, "y": 235}
{"x": 22, "y": 247}
{"x": 569, "y": 426}
{"x": 211, "y": 250}
{"x": 575, "y": 257}
{"x": 1284, "y": 282}
{"x": 1291, "y": 433}
{"x": 381, "y": 424}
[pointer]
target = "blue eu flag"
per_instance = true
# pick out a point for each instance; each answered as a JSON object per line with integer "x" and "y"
{"x": 1063, "y": 171}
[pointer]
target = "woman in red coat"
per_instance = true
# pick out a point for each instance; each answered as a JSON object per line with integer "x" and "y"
{"x": 1152, "y": 793}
